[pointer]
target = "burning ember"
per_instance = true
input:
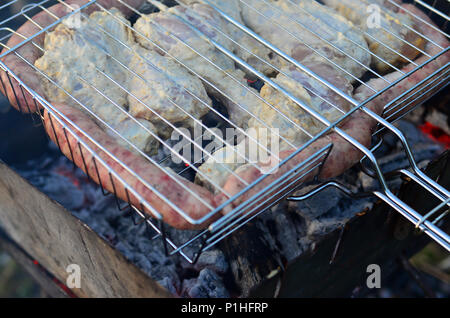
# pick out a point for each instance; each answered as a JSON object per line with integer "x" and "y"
{"x": 436, "y": 133}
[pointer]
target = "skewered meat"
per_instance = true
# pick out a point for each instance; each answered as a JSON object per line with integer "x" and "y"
{"x": 388, "y": 39}
{"x": 285, "y": 25}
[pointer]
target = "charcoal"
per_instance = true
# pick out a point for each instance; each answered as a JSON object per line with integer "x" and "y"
{"x": 284, "y": 232}
{"x": 57, "y": 188}
{"x": 169, "y": 284}
{"x": 207, "y": 285}
{"x": 125, "y": 249}
{"x": 144, "y": 245}
{"x": 319, "y": 204}
{"x": 413, "y": 135}
{"x": 320, "y": 227}
{"x": 214, "y": 260}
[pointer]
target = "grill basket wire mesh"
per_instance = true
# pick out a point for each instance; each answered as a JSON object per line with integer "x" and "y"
{"x": 427, "y": 221}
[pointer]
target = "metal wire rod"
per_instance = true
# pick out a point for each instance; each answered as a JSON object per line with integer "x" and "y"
{"x": 253, "y": 54}
{"x": 298, "y": 38}
{"x": 216, "y": 66}
{"x": 427, "y": 227}
{"x": 8, "y": 4}
{"x": 26, "y": 8}
{"x": 398, "y": 37}
{"x": 421, "y": 20}
{"x": 355, "y": 43}
{"x": 444, "y": 80}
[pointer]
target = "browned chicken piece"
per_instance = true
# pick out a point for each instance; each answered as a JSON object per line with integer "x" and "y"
{"x": 248, "y": 47}
{"x": 390, "y": 37}
{"x": 201, "y": 57}
{"x": 294, "y": 126}
{"x": 84, "y": 82}
{"x": 288, "y": 25}
{"x": 163, "y": 92}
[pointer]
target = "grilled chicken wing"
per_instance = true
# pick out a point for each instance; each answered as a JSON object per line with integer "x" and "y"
{"x": 392, "y": 35}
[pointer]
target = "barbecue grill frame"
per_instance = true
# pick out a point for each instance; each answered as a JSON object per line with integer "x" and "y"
{"x": 378, "y": 236}
{"x": 239, "y": 216}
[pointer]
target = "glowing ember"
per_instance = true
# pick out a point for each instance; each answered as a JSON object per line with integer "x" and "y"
{"x": 436, "y": 134}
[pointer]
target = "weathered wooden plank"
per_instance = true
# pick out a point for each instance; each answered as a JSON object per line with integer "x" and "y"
{"x": 51, "y": 235}
{"x": 38, "y": 273}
